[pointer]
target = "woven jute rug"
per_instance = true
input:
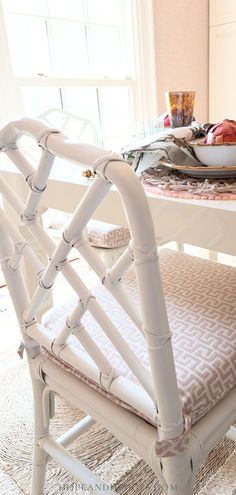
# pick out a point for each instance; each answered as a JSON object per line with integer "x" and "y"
{"x": 98, "y": 449}
{"x": 170, "y": 182}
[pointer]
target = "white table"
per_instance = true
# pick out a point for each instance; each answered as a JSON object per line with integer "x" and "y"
{"x": 205, "y": 223}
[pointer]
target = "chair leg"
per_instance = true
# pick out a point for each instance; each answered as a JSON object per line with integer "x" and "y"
{"x": 178, "y": 475}
{"x": 39, "y": 456}
{"x": 176, "y": 489}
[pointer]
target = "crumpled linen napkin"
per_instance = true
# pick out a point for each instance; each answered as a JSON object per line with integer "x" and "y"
{"x": 170, "y": 144}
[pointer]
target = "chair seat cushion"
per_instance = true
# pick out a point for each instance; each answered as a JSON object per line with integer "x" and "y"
{"x": 200, "y": 297}
{"x": 100, "y": 234}
{"x": 107, "y": 235}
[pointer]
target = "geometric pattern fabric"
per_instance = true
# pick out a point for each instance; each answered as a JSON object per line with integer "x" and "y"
{"x": 201, "y": 303}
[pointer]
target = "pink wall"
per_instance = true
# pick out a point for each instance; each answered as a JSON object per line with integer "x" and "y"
{"x": 181, "y": 44}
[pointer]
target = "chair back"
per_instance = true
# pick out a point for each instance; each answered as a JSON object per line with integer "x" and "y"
{"x": 150, "y": 319}
{"x": 77, "y": 127}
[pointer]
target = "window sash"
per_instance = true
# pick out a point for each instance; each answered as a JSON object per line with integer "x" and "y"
{"x": 143, "y": 87}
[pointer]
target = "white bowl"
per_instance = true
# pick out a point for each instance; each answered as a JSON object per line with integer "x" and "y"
{"x": 215, "y": 155}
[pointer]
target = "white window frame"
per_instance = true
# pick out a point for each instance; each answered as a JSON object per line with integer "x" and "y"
{"x": 143, "y": 88}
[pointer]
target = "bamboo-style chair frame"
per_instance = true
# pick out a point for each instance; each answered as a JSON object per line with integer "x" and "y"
{"x": 172, "y": 448}
{"x": 83, "y": 123}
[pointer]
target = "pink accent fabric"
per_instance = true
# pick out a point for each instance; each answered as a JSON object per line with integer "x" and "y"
{"x": 200, "y": 298}
{"x": 106, "y": 235}
{"x": 173, "y": 446}
{"x": 187, "y": 195}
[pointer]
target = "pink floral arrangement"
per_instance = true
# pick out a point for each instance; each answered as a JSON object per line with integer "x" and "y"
{"x": 223, "y": 132}
{"x": 166, "y": 121}
{"x": 163, "y": 120}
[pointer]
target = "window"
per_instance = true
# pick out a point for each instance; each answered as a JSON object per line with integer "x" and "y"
{"x": 81, "y": 56}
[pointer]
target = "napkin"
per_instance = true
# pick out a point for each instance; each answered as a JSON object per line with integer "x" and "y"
{"x": 171, "y": 144}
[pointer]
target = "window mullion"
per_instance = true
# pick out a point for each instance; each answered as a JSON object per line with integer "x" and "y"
{"x": 60, "y": 81}
{"x": 98, "y": 93}
{"x": 62, "y": 98}
{"x": 50, "y": 44}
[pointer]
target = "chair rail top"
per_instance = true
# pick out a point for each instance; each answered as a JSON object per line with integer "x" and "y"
{"x": 50, "y": 138}
{"x": 108, "y": 165}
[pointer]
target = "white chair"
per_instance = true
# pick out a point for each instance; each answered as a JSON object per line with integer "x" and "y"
{"x": 76, "y": 127}
{"x": 108, "y": 240}
{"x": 171, "y": 409}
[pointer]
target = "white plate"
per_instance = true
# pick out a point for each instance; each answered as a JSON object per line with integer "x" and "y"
{"x": 202, "y": 172}
{"x": 205, "y": 174}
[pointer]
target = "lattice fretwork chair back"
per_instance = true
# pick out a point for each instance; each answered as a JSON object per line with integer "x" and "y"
{"x": 108, "y": 240}
{"x": 77, "y": 127}
{"x": 111, "y": 353}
